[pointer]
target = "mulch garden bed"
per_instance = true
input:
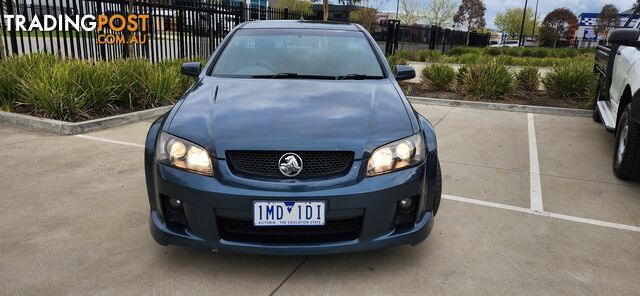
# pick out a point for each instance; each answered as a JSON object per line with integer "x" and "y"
{"x": 519, "y": 97}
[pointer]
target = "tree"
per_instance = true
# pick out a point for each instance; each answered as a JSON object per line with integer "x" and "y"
{"x": 349, "y": 4}
{"x": 607, "y": 19}
{"x": 560, "y": 23}
{"x": 366, "y": 15}
{"x": 440, "y": 12}
{"x": 510, "y": 21}
{"x": 410, "y": 11}
{"x": 470, "y": 14}
{"x": 325, "y": 10}
{"x": 294, "y": 5}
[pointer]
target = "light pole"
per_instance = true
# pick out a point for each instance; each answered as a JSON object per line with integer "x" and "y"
{"x": 524, "y": 15}
{"x": 535, "y": 19}
{"x": 397, "y": 9}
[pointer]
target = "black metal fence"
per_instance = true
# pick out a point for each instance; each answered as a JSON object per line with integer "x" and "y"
{"x": 182, "y": 29}
{"x": 397, "y": 36}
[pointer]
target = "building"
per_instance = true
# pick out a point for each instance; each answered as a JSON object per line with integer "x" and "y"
{"x": 588, "y": 21}
{"x": 339, "y": 13}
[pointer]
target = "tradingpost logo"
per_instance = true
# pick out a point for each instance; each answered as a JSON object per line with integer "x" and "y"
{"x": 122, "y": 30}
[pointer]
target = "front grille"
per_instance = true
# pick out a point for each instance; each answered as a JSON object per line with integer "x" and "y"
{"x": 315, "y": 164}
{"x": 332, "y": 231}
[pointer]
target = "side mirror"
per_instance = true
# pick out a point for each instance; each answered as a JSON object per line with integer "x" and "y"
{"x": 405, "y": 72}
{"x": 191, "y": 69}
{"x": 625, "y": 37}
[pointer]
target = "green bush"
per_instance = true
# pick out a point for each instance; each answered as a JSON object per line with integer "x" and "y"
{"x": 528, "y": 79}
{"x": 573, "y": 81}
{"x": 406, "y": 55}
{"x": 471, "y": 58}
{"x": 457, "y": 51}
{"x": 493, "y": 51}
{"x": 164, "y": 84}
{"x": 507, "y": 60}
{"x": 53, "y": 92}
{"x": 462, "y": 72}
{"x": 528, "y": 52}
{"x": 542, "y": 53}
{"x": 487, "y": 81}
{"x": 441, "y": 77}
{"x": 73, "y": 90}
{"x": 394, "y": 60}
{"x": 429, "y": 55}
{"x": 13, "y": 71}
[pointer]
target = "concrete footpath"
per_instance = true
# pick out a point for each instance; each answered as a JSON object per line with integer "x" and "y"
{"x": 531, "y": 207}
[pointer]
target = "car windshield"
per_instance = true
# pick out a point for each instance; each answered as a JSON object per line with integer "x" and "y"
{"x": 298, "y": 53}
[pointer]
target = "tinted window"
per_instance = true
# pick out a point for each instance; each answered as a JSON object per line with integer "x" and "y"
{"x": 255, "y": 52}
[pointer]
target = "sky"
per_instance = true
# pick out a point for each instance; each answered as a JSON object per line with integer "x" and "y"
{"x": 544, "y": 6}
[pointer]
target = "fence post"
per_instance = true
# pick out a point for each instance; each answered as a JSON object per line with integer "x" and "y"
{"x": 240, "y": 13}
{"x": 396, "y": 38}
{"x": 125, "y": 46}
{"x": 180, "y": 29}
{"x": 286, "y": 13}
{"x": 12, "y": 33}
{"x": 391, "y": 44}
{"x": 432, "y": 37}
{"x": 103, "y": 49}
{"x": 444, "y": 39}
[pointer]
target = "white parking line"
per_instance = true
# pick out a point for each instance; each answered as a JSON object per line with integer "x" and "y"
{"x": 531, "y": 211}
{"x": 544, "y": 214}
{"x": 534, "y": 168}
{"x": 109, "y": 141}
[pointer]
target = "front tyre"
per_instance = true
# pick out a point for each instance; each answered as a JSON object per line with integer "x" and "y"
{"x": 626, "y": 156}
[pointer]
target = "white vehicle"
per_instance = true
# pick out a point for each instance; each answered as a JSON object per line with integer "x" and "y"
{"x": 618, "y": 97}
{"x": 508, "y": 43}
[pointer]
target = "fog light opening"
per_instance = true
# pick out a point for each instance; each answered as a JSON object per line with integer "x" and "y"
{"x": 174, "y": 213}
{"x": 405, "y": 205}
{"x": 175, "y": 203}
{"x": 406, "y": 212}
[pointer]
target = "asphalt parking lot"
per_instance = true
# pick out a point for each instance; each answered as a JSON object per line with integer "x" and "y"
{"x": 530, "y": 207}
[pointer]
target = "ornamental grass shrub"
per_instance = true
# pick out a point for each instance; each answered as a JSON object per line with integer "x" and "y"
{"x": 574, "y": 81}
{"x": 528, "y": 79}
{"x": 73, "y": 90}
{"x": 13, "y": 70}
{"x": 394, "y": 60}
{"x": 460, "y": 75}
{"x": 440, "y": 77}
{"x": 487, "y": 81}
{"x": 528, "y": 57}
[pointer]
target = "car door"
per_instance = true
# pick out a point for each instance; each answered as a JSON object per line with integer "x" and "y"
{"x": 626, "y": 56}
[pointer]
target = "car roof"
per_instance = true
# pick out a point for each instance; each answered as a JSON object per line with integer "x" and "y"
{"x": 300, "y": 24}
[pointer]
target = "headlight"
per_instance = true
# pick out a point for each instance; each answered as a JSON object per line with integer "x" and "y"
{"x": 397, "y": 155}
{"x": 182, "y": 154}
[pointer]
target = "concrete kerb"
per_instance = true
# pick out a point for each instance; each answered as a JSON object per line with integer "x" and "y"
{"x": 74, "y": 128}
{"x": 502, "y": 107}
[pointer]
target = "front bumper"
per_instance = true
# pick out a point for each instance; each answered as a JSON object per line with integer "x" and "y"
{"x": 206, "y": 200}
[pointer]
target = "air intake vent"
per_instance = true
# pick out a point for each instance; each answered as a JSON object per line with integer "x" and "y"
{"x": 264, "y": 164}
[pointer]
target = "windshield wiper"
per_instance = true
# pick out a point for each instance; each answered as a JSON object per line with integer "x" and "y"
{"x": 358, "y": 77}
{"x": 295, "y": 76}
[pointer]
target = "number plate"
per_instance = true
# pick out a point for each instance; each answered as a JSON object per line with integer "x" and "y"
{"x": 288, "y": 213}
